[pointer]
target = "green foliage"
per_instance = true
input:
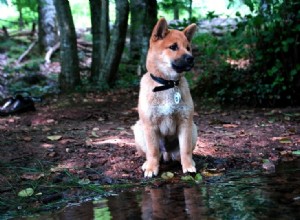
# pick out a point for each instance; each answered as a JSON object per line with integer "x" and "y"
{"x": 270, "y": 41}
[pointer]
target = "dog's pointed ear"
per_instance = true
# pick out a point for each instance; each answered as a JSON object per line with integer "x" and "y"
{"x": 160, "y": 30}
{"x": 189, "y": 31}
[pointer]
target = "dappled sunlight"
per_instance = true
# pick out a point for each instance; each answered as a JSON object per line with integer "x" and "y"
{"x": 113, "y": 140}
{"x": 239, "y": 64}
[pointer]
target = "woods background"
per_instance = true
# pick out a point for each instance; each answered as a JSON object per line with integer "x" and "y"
{"x": 247, "y": 54}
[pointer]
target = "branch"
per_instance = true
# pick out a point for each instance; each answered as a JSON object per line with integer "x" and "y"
{"x": 27, "y": 51}
{"x": 50, "y": 52}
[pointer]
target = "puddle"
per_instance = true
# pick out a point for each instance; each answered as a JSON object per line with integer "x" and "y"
{"x": 232, "y": 196}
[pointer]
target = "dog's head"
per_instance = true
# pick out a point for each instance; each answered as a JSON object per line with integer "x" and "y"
{"x": 170, "y": 51}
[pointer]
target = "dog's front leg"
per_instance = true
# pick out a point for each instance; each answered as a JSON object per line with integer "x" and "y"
{"x": 186, "y": 147}
{"x": 151, "y": 166}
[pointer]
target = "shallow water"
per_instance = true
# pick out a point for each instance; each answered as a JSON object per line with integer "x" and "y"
{"x": 236, "y": 195}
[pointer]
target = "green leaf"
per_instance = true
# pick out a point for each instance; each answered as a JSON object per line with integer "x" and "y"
{"x": 26, "y": 192}
{"x": 198, "y": 177}
{"x": 285, "y": 141}
{"x": 54, "y": 137}
{"x": 187, "y": 178}
{"x": 167, "y": 175}
{"x": 84, "y": 181}
{"x": 297, "y": 152}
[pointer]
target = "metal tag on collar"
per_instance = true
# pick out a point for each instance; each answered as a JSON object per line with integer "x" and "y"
{"x": 177, "y": 96}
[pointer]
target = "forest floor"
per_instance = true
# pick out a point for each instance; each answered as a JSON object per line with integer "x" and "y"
{"x": 81, "y": 132}
{"x": 88, "y": 136}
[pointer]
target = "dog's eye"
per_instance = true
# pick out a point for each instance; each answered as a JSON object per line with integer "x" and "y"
{"x": 174, "y": 47}
{"x": 188, "y": 48}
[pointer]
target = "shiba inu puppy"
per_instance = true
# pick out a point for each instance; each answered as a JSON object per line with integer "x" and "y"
{"x": 165, "y": 126}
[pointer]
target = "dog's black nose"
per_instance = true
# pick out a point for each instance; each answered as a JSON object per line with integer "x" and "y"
{"x": 189, "y": 59}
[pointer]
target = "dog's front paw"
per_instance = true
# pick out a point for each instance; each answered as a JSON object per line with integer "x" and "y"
{"x": 189, "y": 167}
{"x": 150, "y": 169}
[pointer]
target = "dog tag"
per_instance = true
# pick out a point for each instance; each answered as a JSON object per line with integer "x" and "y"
{"x": 177, "y": 97}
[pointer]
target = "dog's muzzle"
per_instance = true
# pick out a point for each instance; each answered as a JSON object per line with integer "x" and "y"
{"x": 184, "y": 63}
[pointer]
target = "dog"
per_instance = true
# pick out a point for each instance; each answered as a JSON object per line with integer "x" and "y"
{"x": 165, "y": 127}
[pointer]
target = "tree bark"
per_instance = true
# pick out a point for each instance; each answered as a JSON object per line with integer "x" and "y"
{"x": 190, "y": 9}
{"x": 143, "y": 19}
{"x": 149, "y": 22}
{"x": 100, "y": 32}
{"x": 69, "y": 76}
{"x": 48, "y": 35}
{"x": 113, "y": 56}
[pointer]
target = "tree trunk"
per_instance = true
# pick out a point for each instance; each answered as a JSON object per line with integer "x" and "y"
{"x": 69, "y": 76}
{"x": 100, "y": 32}
{"x": 48, "y": 35}
{"x": 113, "y": 56}
{"x": 137, "y": 10}
{"x": 190, "y": 9}
{"x": 21, "y": 21}
{"x": 143, "y": 19}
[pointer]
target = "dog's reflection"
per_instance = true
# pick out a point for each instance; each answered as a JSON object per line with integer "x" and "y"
{"x": 166, "y": 202}
{"x": 172, "y": 203}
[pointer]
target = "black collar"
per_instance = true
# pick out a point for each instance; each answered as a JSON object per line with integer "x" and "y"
{"x": 167, "y": 84}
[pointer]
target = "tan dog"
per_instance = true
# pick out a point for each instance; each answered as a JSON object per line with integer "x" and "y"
{"x": 166, "y": 108}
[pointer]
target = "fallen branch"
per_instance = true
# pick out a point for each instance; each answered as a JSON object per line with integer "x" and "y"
{"x": 84, "y": 48}
{"x": 27, "y": 51}
{"x": 50, "y": 52}
{"x": 84, "y": 43}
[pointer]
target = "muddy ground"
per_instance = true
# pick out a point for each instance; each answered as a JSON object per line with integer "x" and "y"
{"x": 89, "y": 135}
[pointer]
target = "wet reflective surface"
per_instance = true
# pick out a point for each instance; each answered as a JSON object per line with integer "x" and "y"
{"x": 243, "y": 195}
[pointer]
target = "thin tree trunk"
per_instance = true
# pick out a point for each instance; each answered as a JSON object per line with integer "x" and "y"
{"x": 116, "y": 46}
{"x": 149, "y": 22}
{"x": 143, "y": 19}
{"x": 48, "y": 35}
{"x": 69, "y": 76}
{"x": 190, "y": 9}
{"x": 137, "y": 10}
{"x": 105, "y": 34}
{"x": 100, "y": 32}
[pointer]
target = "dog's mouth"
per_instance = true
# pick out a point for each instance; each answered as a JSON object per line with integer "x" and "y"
{"x": 184, "y": 63}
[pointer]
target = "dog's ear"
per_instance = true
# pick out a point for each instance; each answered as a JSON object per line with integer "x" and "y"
{"x": 189, "y": 31}
{"x": 160, "y": 30}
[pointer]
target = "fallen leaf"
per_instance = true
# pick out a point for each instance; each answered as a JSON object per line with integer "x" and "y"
{"x": 285, "y": 141}
{"x": 32, "y": 176}
{"x": 84, "y": 181}
{"x": 94, "y": 134}
{"x": 26, "y": 192}
{"x": 297, "y": 152}
{"x": 167, "y": 175}
{"x": 198, "y": 177}
{"x": 268, "y": 166}
{"x": 187, "y": 178}
{"x": 50, "y": 121}
{"x": 230, "y": 125}
{"x": 27, "y": 138}
{"x": 54, "y": 137}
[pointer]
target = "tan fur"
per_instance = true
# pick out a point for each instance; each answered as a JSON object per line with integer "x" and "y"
{"x": 159, "y": 116}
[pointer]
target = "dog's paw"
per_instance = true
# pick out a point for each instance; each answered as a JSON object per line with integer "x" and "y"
{"x": 189, "y": 168}
{"x": 149, "y": 170}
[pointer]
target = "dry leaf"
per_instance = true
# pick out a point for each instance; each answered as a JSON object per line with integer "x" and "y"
{"x": 27, "y": 138}
{"x": 32, "y": 176}
{"x": 54, "y": 137}
{"x": 230, "y": 125}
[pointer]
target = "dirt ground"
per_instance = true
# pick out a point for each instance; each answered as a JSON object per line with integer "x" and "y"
{"x": 90, "y": 136}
